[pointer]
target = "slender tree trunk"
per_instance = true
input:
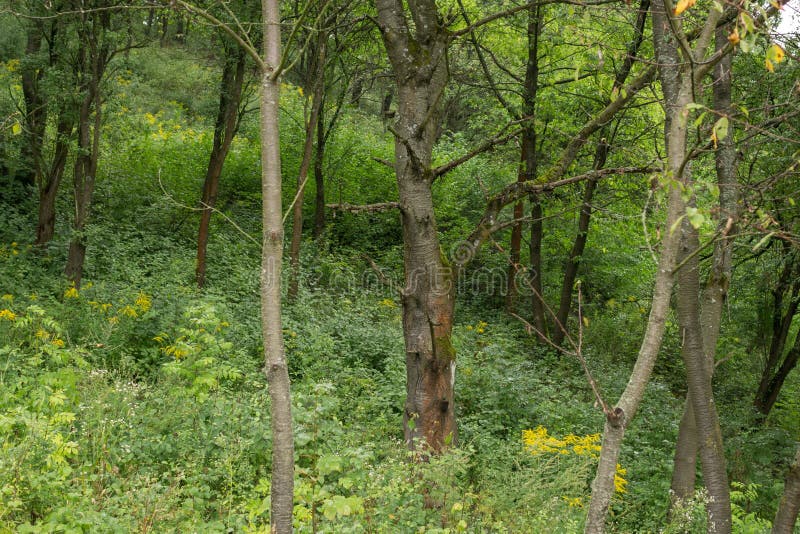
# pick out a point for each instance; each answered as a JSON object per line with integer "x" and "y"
{"x": 85, "y": 172}
{"x": 277, "y": 371}
{"x": 698, "y": 375}
{"x": 782, "y": 316}
{"x": 308, "y": 149}
{"x": 600, "y": 156}
{"x": 319, "y": 177}
{"x": 528, "y": 162}
{"x": 786, "y": 517}
{"x": 535, "y": 252}
{"x": 677, "y": 92}
{"x": 716, "y": 288}
{"x": 35, "y": 107}
{"x": 418, "y": 60}
{"x": 770, "y": 394}
{"x": 571, "y": 267}
{"x": 92, "y": 61}
{"x": 677, "y": 82}
{"x": 227, "y": 123}
{"x": 49, "y": 183}
{"x": 620, "y": 417}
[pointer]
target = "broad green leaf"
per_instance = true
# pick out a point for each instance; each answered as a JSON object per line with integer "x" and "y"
{"x": 696, "y": 219}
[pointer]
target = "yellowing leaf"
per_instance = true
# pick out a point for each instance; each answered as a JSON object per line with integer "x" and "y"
{"x": 768, "y": 64}
{"x": 16, "y": 129}
{"x": 683, "y": 5}
{"x": 775, "y": 53}
{"x": 733, "y": 38}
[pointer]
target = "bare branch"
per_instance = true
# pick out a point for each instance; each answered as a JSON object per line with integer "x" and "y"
{"x": 368, "y": 208}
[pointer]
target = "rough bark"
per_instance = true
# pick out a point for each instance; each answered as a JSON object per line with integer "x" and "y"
{"x": 277, "y": 371}
{"x": 418, "y": 63}
{"x": 716, "y": 287}
{"x": 225, "y": 127}
{"x": 318, "y": 90}
{"x": 786, "y": 517}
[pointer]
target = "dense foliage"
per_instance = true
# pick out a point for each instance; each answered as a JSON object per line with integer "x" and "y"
{"x": 137, "y": 402}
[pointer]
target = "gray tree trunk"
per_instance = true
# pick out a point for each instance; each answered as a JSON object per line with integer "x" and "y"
{"x": 282, "y": 493}
{"x": 716, "y": 288}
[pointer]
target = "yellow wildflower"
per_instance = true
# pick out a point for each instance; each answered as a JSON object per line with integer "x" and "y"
{"x": 113, "y": 320}
{"x": 42, "y": 334}
{"x": 58, "y": 343}
{"x": 8, "y": 297}
{"x": 150, "y": 118}
{"x": 12, "y": 65}
{"x": 573, "y": 502}
{"x": 143, "y": 302}
{"x": 389, "y": 303}
{"x": 71, "y": 293}
{"x": 130, "y": 311}
{"x": 619, "y": 482}
{"x": 8, "y": 315}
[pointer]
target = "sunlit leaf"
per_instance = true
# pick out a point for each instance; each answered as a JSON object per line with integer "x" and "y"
{"x": 683, "y": 5}
{"x": 16, "y": 129}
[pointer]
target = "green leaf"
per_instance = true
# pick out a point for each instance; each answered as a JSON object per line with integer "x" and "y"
{"x": 763, "y": 241}
{"x": 16, "y": 129}
{"x": 721, "y": 128}
{"x": 696, "y": 219}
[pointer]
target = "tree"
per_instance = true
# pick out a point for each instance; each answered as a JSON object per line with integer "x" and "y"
{"x": 94, "y": 54}
{"x": 225, "y": 127}
{"x": 786, "y": 516}
{"x": 282, "y": 494}
{"x": 717, "y": 283}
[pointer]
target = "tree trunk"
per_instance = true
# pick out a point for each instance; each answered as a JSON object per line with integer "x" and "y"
{"x": 49, "y": 183}
{"x": 84, "y": 176}
{"x": 308, "y": 149}
{"x": 535, "y": 251}
{"x": 698, "y": 375}
{"x": 282, "y": 492}
{"x": 528, "y": 162}
{"x": 92, "y": 61}
{"x": 35, "y": 107}
{"x": 227, "y": 123}
{"x": 319, "y": 177}
{"x": 770, "y": 394}
{"x": 786, "y": 517}
{"x": 677, "y": 82}
{"x": 418, "y": 61}
{"x": 600, "y": 156}
{"x": 676, "y": 87}
{"x": 715, "y": 291}
{"x": 619, "y": 418}
{"x": 782, "y": 317}
{"x": 571, "y": 267}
